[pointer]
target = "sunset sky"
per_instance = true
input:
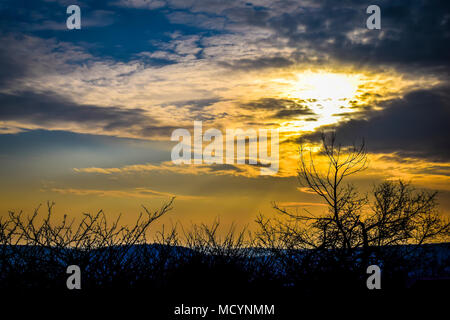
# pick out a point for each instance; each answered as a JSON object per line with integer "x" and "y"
{"x": 86, "y": 115}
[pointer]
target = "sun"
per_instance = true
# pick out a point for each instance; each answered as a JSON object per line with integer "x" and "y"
{"x": 334, "y": 86}
{"x": 327, "y": 94}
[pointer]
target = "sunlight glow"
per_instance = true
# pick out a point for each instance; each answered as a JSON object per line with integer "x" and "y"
{"x": 325, "y": 86}
{"x": 328, "y": 95}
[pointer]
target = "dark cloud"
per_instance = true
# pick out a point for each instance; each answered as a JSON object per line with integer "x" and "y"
{"x": 284, "y": 108}
{"x": 195, "y": 105}
{"x": 414, "y": 126}
{"x": 48, "y": 109}
{"x": 276, "y": 104}
{"x": 197, "y": 110}
{"x": 414, "y": 34}
{"x": 263, "y": 124}
{"x": 288, "y": 113}
{"x": 10, "y": 67}
{"x": 258, "y": 63}
{"x": 23, "y": 56}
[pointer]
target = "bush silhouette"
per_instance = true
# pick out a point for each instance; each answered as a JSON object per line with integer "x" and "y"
{"x": 308, "y": 252}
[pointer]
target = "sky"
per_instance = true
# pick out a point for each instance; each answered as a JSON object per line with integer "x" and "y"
{"x": 86, "y": 116}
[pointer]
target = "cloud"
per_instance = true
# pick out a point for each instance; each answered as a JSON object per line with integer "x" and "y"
{"x": 250, "y": 171}
{"x": 306, "y": 190}
{"x": 141, "y": 4}
{"x": 300, "y": 204}
{"x": 281, "y": 108}
{"x": 284, "y": 33}
{"x": 23, "y": 57}
{"x": 413, "y": 126}
{"x": 198, "y": 83}
{"x": 67, "y": 74}
{"x": 142, "y": 193}
{"x": 324, "y": 30}
{"x": 258, "y": 63}
{"x": 290, "y": 113}
{"x": 195, "y": 105}
{"x": 277, "y": 104}
{"x": 50, "y": 111}
{"x": 338, "y": 29}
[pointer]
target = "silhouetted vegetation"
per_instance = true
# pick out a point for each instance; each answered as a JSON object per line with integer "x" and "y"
{"x": 389, "y": 227}
{"x": 386, "y": 228}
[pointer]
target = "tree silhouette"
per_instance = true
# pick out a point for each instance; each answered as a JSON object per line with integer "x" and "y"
{"x": 349, "y": 234}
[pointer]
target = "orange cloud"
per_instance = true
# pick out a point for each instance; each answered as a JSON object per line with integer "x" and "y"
{"x": 300, "y": 204}
{"x": 135, "y": 193}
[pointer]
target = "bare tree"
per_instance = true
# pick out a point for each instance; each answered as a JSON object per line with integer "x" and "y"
{"x": 399, "y": 214}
